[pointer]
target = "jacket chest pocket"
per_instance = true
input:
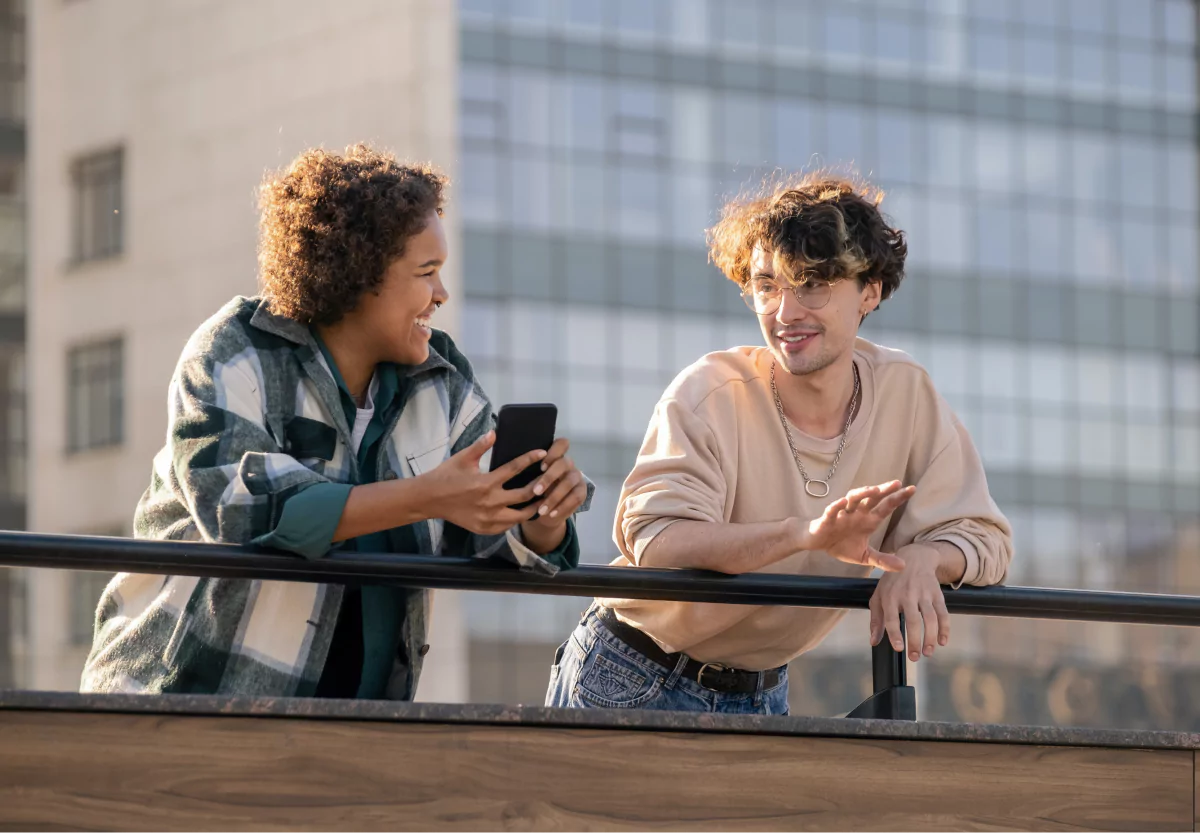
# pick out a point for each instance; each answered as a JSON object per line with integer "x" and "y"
{"x": 426, "y": 461}
{"x": 312, "y": 442}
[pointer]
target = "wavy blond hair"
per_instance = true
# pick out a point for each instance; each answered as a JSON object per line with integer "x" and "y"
{"x": 819, "y": 223}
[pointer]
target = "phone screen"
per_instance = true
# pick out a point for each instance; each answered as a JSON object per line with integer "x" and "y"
{"x": 521, "y": 428}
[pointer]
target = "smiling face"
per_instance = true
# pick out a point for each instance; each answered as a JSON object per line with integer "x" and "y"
{"x": 395, "y": 318}
{"x": 805, "y": 340}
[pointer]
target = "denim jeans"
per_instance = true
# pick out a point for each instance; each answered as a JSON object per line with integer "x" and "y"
{"x": 594, "y": 669}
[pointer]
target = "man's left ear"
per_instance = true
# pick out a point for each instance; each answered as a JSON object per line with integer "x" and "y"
{"x": 871, "y": 295}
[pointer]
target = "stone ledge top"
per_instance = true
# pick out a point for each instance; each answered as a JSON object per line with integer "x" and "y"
{"x": 663, "y": 721}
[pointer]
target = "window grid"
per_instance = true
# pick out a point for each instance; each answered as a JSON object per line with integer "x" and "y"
{"x": 97, "y": 188}
{"x": 1102, "y": 212}
{"x": 1129, "y": 56}
{"x": 95, "y": 396}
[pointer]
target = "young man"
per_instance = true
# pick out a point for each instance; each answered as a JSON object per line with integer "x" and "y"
{"x": 747, "y": 452}
{"x": 327, "y": 413}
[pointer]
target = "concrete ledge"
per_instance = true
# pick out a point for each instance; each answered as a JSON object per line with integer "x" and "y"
{"x": 383, "y": 710}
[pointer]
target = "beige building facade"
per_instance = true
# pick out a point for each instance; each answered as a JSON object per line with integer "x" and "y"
{"x": 150, "y": 126}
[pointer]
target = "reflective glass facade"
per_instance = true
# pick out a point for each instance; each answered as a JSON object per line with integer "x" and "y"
{"x": 1042, "y": 157}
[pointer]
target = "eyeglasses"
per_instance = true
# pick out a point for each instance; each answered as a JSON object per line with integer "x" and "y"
{"x": 763, "y": 295}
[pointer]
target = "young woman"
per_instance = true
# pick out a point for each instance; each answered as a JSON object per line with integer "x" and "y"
{"x": 325, "y": 414}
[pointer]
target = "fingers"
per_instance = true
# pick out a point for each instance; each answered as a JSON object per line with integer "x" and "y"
{"x": 869, "y": 557}
{"x": 556, "y": 471}
{"x": 838, "y": 505}
{"x": 943, "y": 618}
{"x": 929, "y": 621}
{"x": 911, "y": 607}
{"x": 475, "y": 451}
{"x": 504, "y": 519}
{"x": 872, "y": 498}
{"x": 891, "y": 623}
{"x": 876, "y": 608}
{"x": 885, "y": 561}
{"x": 861, "y": 498}
{"x": 893, "y": 501}
{"x": 517, "y": 465}
{"x": 558, "y": 450}
{"x": 552, "y": 505}
{"x": 571, "y": 500}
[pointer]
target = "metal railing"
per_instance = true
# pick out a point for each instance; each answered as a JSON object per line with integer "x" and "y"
{"x": 893, "y": 698}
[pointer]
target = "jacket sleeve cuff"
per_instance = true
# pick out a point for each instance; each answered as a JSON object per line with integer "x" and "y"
{"x": 308, "y": 520}
{"x": 971, "y": 573}
{"x": 565, "y": 556}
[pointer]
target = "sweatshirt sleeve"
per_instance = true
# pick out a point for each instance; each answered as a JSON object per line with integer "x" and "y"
{"x": 952, "y": 504}
{"x": 678, "y": 476}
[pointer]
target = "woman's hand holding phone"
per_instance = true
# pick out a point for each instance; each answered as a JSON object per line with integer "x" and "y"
{"x": 477, "y": 501}
{"x": 541, "y": 498}
{"x": 562, "y": 490}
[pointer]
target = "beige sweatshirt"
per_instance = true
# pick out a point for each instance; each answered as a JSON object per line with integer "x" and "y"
{"x": 715, "y": 451}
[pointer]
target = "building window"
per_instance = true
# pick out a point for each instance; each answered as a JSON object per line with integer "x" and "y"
{"x": 12, "y": 62}
{"x": 86, "y": 589}
{"x": 12, "y": 434}
{"x": 96, "y": 186}
{"x": 94, "y": 396}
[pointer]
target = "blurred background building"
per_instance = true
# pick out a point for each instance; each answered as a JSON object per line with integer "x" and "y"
{"x": 12, "y": 316}
{"x": 1041, "y": 154}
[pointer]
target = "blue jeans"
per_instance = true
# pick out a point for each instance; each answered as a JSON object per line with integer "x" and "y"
{"x": 594, "y": 669}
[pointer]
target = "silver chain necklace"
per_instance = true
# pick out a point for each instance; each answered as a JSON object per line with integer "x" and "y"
{"x": 816, "y": 488}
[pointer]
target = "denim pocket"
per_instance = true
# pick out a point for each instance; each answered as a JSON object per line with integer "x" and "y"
{"x": 612, "y": 683}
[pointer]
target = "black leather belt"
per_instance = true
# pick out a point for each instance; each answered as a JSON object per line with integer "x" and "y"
{"x": 709, "y": 675}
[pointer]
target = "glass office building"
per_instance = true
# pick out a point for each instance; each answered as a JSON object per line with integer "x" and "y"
{"x": 1042, "y": 157}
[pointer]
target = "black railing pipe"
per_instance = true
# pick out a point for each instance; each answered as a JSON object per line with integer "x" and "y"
{"x": 73, "y": 552}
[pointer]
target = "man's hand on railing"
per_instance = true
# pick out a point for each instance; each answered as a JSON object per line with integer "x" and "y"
{"x": 845, "y": 529}
{"x": 916, "y": 592}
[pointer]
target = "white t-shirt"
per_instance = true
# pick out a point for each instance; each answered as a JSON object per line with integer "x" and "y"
{"x": 363, "y": 416}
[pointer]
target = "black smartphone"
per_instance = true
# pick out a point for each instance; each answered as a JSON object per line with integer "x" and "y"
{"x": 522, "y": 428}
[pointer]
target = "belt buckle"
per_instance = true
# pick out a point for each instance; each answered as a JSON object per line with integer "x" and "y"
{"x": 705, "y": 667}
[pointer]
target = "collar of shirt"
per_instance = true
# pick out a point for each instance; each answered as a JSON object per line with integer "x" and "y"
{"x": 385, "y": 396}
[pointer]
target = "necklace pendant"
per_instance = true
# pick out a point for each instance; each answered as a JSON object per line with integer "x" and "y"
{"x": 817, "y": 488}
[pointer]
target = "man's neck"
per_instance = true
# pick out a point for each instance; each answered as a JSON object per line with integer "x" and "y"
{"x": 818, "y": 403}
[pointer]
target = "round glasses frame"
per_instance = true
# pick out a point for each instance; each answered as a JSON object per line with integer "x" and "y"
{"x": 811, "y": 294}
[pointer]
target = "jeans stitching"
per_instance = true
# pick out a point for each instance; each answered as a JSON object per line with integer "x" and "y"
{"x": 611, "y": 641}
{"x": 598, "y": 638}
{"x": 599, "y": 670}
{"x": 603, "y": 640}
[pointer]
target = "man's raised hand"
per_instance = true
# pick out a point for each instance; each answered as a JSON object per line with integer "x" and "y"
{"x": 845, "y": 528}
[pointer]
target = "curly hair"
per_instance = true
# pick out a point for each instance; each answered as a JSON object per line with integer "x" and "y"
{"x": 331, "y": 225}
{"x": 819, "y": 223}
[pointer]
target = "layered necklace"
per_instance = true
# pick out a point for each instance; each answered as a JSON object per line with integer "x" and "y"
{"x": 816, "y": 488}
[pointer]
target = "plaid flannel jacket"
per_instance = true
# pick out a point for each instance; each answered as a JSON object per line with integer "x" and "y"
{"x": 254, "y": 417}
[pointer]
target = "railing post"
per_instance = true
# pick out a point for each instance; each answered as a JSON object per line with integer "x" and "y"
{"x": 894, "y": 698}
